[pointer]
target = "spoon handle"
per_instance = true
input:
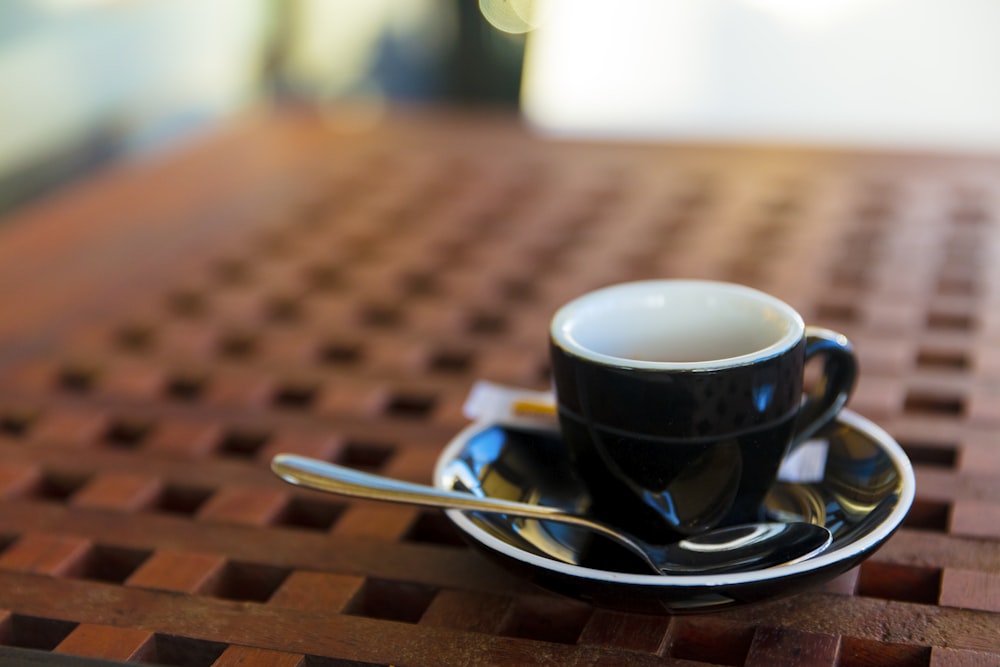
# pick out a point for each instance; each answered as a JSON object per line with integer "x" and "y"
{"x": 323, "y": 476}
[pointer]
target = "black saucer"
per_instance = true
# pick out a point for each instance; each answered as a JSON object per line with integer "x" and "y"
{"x": 861, "y": 493}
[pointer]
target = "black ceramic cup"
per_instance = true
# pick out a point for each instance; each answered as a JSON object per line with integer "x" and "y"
{"x": 678, "y": 399}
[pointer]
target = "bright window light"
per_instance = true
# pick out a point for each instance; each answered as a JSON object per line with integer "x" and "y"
{"x": 890, "y": 73}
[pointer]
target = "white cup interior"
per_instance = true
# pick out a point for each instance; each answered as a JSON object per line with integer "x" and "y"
{"x": 684, "y": 324}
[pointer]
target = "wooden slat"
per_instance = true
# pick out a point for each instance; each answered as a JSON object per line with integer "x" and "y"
{"x": 293, "y": 283}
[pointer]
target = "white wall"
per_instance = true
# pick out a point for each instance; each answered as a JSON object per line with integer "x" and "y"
{"x": 144, "y": 67}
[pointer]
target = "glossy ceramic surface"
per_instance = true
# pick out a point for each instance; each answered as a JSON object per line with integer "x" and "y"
{"x": 678, "y": 399}
{"x": 861, "y": 493}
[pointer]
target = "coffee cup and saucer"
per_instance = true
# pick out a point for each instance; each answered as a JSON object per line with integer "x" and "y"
{"x": 680, "y": 411}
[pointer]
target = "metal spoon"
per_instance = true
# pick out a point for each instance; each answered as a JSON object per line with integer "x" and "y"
{"x": 733, "y": 549}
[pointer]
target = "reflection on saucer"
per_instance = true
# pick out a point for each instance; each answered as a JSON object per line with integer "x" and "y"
{"x": 854, "y": 479}
{"x": 806, "y": 463}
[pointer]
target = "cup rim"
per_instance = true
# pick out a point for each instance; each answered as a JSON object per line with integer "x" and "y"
{"x": 561, "y": 328}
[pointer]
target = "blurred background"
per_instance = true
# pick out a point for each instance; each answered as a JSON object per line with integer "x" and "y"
{"x": 84, "y": 83}
{"x": 87, "y": 82}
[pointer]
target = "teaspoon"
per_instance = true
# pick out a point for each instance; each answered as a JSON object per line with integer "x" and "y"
{"x": 732, "y": 549}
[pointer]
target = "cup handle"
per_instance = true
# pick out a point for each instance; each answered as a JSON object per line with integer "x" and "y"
{"x": 840, "y": 372}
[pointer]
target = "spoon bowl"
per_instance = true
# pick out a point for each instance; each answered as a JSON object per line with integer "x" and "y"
{"x": 731, "y": 549}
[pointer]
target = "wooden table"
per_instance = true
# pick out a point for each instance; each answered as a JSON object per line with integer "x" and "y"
{"x": 332, "y": 284}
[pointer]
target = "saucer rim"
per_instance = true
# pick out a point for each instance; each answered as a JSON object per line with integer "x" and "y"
{"x": 867, "y": 543}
